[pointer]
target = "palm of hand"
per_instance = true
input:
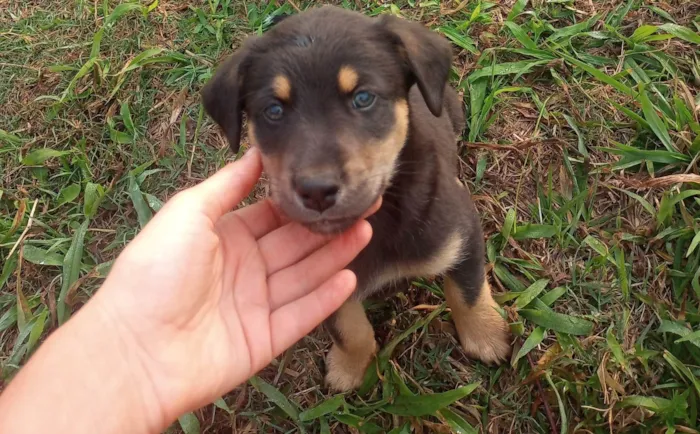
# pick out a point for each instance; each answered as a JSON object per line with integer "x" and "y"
{"x": 225, "y": 292}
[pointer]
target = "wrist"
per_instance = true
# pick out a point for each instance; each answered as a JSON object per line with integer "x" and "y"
{"x": 85, "y": 364}
{"x": 116, "y": 354}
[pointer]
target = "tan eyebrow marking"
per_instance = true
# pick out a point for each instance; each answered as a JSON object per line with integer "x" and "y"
{"x": 282, "y": 88}
{"x": 347, "y": 79}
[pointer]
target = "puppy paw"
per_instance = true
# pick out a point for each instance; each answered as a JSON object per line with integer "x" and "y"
{"x": 489, "y": 343}
{"x": 345, "y": 370}
{"x": 483, "y": 333}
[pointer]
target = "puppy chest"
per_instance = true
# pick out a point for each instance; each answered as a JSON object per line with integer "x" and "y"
{"x": 444, "y": 258}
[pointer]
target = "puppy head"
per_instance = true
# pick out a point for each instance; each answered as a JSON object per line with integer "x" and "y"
{"x": 325, "y": 95}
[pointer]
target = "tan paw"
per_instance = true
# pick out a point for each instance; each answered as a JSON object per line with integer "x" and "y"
{"x": 483, "y": 333}
{"x": 345, "y": 371}
{"x": 489, "y": 342}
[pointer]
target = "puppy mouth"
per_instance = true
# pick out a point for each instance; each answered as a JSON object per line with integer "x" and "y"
{"x": 338, "y": 225}
{"x": 322, "y": 224}
{"x": 331, "y": 226}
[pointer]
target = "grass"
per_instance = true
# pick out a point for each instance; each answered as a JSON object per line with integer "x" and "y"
{"x": 582, "y": 152}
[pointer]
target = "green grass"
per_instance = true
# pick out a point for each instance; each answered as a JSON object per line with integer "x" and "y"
{"x": 582, "y": 152}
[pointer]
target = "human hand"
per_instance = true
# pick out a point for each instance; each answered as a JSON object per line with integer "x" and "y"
{"x": 205, "y": 298}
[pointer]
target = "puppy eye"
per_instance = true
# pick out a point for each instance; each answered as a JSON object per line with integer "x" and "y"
{"x": 274, "y": 112}
{"x": 363, "y": 100}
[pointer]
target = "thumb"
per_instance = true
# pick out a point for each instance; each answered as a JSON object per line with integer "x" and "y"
{"x": 229, "y": 186}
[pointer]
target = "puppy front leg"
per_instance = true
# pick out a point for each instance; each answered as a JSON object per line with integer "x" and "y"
{"x": 483, "y": 333}
{"x": 353, "y": 346}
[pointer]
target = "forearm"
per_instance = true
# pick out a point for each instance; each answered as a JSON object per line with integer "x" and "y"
{"x": 83, "y": 379}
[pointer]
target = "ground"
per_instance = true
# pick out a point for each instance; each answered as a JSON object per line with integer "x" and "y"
{"x": 582, "y": 152}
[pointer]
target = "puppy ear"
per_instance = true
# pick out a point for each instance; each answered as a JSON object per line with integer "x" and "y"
{"x": 222, "y": 95}
{"x": 428, "y": 57}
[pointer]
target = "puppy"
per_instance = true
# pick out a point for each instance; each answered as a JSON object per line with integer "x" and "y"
{"x": 344, "y": 109}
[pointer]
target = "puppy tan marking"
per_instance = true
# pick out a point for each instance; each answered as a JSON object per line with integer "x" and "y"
{"x": 347, "y": 361}
{"x": 386, "y": 151}
{"x": 482, "y": 331}
{"x": 274, "y": 164}
{"x": 347, "y": 79}
{"x": 282, "y": 88}
{"x": 376, "y": 160}
{"x": 442, "y": 261}
{"x": 252, "y": 139}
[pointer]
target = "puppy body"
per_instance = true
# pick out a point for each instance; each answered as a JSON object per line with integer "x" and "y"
{"x": 427, "y": 226}
{"x": 380, "y": 120}
{"x": 424, "y": 210}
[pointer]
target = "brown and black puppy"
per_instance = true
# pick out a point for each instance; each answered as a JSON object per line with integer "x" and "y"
{"x": 345, "y": 109}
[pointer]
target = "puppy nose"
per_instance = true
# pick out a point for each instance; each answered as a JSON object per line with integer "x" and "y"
{"x": 317, "y": 194}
